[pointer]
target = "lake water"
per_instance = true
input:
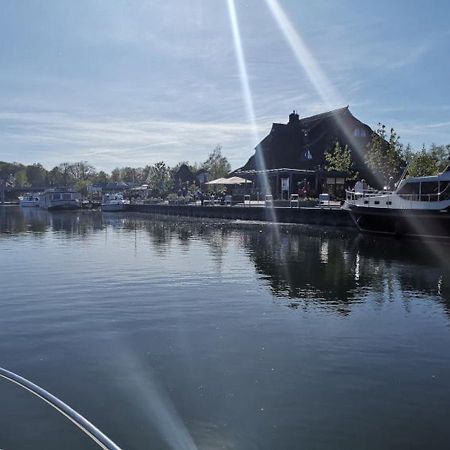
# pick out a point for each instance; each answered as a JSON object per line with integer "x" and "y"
{"x": 172, "y": 334}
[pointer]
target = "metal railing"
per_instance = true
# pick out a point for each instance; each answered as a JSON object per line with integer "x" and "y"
{"x": 81, "y": 422}
{"x": 353, "y": 196}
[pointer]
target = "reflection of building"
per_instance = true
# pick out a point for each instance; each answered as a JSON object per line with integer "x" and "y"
{"x": 295, "y": 152}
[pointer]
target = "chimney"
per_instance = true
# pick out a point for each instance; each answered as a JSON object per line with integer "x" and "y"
{"x": 293, "y": 117}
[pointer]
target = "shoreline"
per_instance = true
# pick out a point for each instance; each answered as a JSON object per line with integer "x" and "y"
{"x": 330, "y": 217}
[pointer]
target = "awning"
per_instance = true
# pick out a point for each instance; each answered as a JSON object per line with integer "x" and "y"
{"x": 229, "y": 181}
{"x": 217, "y": 181}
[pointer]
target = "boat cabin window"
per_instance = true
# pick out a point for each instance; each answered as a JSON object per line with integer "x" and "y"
{"x": 429, "y": 191}
{"x": 444, "y": 190}
{"x": 67, "y": 196}
{"x": 409, "y": 191}
{"x": 56, "y": 197}
{"x": 430, "y": 187}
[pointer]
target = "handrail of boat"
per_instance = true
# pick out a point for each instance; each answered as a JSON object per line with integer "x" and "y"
{"x": 366, "y": 193}
{"x": 352, "y": 195}
{"x": 87, "y": 427}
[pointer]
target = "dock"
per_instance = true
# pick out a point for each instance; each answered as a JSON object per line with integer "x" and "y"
{"x": 321, "y": 216}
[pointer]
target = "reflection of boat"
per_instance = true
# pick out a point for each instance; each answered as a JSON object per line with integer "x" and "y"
{"x": 420, "y": 206}
{"x": 29, "y": 200}
{"x": 60, "y": 199}
{"x": 114, "y": 202}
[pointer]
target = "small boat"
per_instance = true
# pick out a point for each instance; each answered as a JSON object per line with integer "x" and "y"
{"x": 419, "y": 206}
{"x": 29, "y": 200}
{"x": 114, "y": 202}
{"x": 60, "y": 199}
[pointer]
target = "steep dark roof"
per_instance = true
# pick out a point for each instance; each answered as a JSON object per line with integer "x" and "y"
{"x": 184, "y": 174}
{"x": 302, "y": 142}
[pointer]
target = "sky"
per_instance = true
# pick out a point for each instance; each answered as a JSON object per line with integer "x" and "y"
{"x": 133, "y": 82}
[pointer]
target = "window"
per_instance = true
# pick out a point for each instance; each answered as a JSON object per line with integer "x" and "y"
{"x": 307, "y": 154}
{"x": 429, "y": 191}
{"x": 359, "y": 132}
{"x": 409, "y": 191}
{"x": 444, "y": 193}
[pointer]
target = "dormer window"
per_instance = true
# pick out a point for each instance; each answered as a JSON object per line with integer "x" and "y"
{"x": 307, "y": 154}
{"x": 359, "y": 132}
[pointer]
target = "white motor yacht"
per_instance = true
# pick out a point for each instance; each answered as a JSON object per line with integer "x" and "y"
{"x": 114, "y": 202}
{"x": 29, "y": 200}
{"x": 419, "y": 206}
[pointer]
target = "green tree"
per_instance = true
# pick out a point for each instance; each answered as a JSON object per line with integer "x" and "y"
{"x": 101, "y": 178}
{"x": 115, "y": 175}
{"x": 340, "y": 159}
{"x": 82, "y": 187}
{"x": 159, "y": 179}
{"x": 128, "y": 175}
{"x": 217, "y": 165}
{"x": 9, "y": 170}
{"x": 55, "y": 177}
{"x": 20, "y": 178}
{"x": 37, "y": 175}
{"x": 64, "y": 174}
{"x": 81, "y": 171}
{"x": 429, "y": 162}
{"x": 385, "y": 156}
{"x": 442, "y": 155}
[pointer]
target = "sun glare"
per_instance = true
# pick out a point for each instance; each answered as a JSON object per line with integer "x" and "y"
{"x": 304, "y": 57}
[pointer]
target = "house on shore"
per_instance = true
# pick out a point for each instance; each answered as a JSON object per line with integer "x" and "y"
{"x": 294, "y": 153}
{"x": 184, "y": 176}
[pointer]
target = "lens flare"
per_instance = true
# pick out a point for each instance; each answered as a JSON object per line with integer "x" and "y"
{"x": 246, "y": 91}
{"x": 318, "y": 79}
{"x": 304, "y": 57}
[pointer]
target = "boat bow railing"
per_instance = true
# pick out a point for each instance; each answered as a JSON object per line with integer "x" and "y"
{"x": 81, "y": 422}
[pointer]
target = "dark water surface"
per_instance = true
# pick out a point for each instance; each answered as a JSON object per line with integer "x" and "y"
{"x": 194, "y": 335}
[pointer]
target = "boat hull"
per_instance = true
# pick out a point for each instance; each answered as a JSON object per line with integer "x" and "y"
{"x": 29, "y": 204}
{"x": 397, "y": 222}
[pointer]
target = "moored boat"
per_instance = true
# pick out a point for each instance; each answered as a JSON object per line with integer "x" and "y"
{"x": 114, "y": 202}
{"x": 29, "y": 200}
{"x": 419, "y": 206}
{"x": 60, "y": 199}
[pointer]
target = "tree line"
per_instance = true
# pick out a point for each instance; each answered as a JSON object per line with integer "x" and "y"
{"x": 159, "y": 176}
{"x": 388, "y": 158}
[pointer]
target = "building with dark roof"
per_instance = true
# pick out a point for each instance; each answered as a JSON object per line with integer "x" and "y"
{"x": 296, "y": 151}
{"x": 183, "y": 176}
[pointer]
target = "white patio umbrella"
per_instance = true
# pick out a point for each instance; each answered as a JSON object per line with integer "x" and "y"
{"x": 229, "y": 181}
{"x": 217, "y": 181}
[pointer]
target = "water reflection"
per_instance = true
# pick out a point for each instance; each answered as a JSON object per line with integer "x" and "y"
{"x": 251, "y": 338}
{"x": 339, "y": 269}
{"x": 302, "y": 266}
